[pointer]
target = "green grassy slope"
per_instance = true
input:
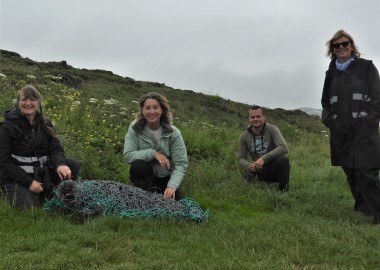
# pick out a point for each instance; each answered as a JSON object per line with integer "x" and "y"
{"x": 250, "y": 226}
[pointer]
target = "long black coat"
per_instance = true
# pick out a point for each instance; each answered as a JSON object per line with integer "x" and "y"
{"x": 19, "y": 137}
{"x": 354, "y": 141}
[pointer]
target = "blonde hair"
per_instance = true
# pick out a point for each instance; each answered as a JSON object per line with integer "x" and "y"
{"x": 339, "y": 34}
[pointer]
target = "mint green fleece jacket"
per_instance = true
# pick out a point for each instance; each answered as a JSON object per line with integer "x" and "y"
{"x": 138, "y": 145}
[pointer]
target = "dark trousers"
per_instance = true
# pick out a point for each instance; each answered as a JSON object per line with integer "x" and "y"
{"x": 275, "y": 171}
{"x": 141, "y": 175}
{"x": 22, "y": 198}
{"x": 365, "y": 188}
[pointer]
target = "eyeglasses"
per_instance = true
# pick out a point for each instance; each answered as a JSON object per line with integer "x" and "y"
{"x": 344, "y": 44}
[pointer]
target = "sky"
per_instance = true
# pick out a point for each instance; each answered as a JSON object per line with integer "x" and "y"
{"x": 266, "y": 52}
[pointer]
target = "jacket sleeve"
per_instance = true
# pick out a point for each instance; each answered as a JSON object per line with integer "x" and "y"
{"x": 7, "y": 167}
{"x": 131, "y": 148}
{"x": 373, "y": 82}
{"x": 55, "y": 149}
{"x": 242, "y": 152}
{"x": 325, "y": 101}
{"x": 281, "y": 148}
{"x": 179, "y": 161}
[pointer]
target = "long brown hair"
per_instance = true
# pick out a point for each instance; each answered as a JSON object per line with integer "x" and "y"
{"x": 166, "y": 116}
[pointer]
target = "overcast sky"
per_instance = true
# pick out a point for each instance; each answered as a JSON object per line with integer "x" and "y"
{"x": 268, "y": 52}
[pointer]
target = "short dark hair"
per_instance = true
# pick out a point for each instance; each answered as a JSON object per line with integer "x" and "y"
{"x": 256, "y": 107}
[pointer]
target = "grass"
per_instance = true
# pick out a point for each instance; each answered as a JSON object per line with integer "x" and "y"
{"x": 250, "y": 225}
{"x": 253, "y": 227}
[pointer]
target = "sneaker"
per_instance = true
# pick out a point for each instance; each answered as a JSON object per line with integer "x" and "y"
{"x": 250, "y": 176}
{"x": 284, "y": 189}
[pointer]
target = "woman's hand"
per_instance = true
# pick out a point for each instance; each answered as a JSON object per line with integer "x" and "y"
{"x": 36, "y": 187}
{"x": 164, "y": 161}
{"x": 64, "y": 172}
{"x": 169, "y": 193}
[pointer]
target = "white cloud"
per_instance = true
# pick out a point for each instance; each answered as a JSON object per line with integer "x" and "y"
{"x": 267, "y": 52}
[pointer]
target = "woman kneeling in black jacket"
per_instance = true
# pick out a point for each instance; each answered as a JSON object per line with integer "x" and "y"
{"x": 32, "y": 160}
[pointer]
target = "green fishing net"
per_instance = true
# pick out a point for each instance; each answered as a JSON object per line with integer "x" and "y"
{"x": 105, "y": 197}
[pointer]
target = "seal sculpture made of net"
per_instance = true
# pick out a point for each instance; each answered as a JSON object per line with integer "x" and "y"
{"x": 105, "y": 197}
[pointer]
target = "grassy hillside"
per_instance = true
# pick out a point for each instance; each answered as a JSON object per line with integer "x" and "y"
{"x": 93, "y": 108}
{"x": 250, "y": 226}
{"x": 101, "y": 84}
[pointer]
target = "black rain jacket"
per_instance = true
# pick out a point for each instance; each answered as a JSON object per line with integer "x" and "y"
{"x": 19, "y": 137}
{"x": 354, "y": 138}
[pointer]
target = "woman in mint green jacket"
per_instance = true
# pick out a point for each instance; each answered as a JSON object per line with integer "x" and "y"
{"x": 155, "y": 148}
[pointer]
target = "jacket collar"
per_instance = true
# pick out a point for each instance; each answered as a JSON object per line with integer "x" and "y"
{"x": 15, "y": 115}
{"x": 140, "y": 125}
{"x": 249, "y": 129}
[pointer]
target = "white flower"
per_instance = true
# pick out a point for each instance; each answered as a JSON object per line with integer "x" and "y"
{"x": 110, "y": 101}
{"x": 93, "y": 100}
{"x": 54, "y": 78}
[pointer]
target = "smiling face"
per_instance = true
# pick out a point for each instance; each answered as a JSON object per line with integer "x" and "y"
{"x": 152, "y": 112}
{"x": 342, "y": 49}
{"x": 28, "y": 106}
{"x": 257, "y": 119}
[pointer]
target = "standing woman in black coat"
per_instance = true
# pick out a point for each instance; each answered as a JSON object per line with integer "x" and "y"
{"x": 32, "y": 160}
{"x": 351, "y": 110}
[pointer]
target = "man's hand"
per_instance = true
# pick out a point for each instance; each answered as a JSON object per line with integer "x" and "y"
{"x": 259, "y": 164}
{"x": 256, "y": 165}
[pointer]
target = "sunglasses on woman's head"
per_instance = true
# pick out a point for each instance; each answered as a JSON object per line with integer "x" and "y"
{"x": 344, "y": 44}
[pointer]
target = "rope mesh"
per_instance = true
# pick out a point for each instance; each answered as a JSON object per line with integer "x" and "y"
{"x": 105, "y": 197}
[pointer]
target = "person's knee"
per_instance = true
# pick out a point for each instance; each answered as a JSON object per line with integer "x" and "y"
{"x": 74, "y": 166}
{"x": 21, "y": 198}
{"x": 283, "y": 172}
{"x": 141, "y": 173}
{"x": 283, "y": 159}
{"x": 140, "y": 169}
{"x": 178, "y": 195}
{"x": 283, "y": 163}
